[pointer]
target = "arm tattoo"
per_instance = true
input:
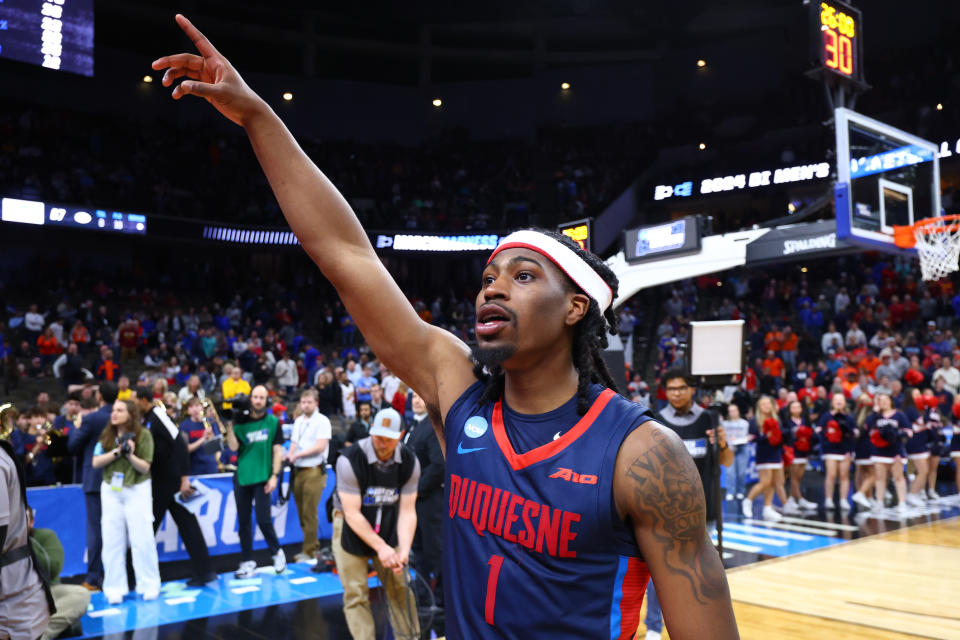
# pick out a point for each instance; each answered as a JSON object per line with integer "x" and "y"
{"x": 669, "y": 493}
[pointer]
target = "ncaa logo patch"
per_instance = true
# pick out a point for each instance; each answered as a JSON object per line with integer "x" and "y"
{"x": 475, "y": 426}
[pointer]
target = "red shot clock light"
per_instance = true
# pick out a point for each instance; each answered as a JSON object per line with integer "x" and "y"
{"x": 836, "y": 38}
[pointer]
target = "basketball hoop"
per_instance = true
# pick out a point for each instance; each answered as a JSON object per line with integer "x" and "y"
{"x": 937, "y": 241}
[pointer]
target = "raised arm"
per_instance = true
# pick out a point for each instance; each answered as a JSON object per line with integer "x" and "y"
{"x": 659, "y": 489}
{"x": 327, "y": 228}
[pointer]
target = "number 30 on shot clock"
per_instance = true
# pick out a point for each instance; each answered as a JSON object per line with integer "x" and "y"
{"x": 835, "y": 38}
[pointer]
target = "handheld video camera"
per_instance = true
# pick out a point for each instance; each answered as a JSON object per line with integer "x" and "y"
{"x": 240, "y": 413}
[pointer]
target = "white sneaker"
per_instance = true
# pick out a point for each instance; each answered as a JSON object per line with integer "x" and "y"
{"x": 652, "y": 635}
{"x": 151, "y": 595}
{"x": 114, "y": 599}
{"x": 279, "y": 561}
{"x": 932, "y": 495}
{"x": 844, "y": 505}
{"x": 247, "y": 569}
{"x": 861, "y": 500}
{"x": 770, "y": 514}
{"x": 914, "y": 500}
{"x": 791, "y": 507}
{"x": 729, "y": 497}
{"x": 740, "y": 496}
{"x": 828, "y": 504}
{"x": 746, "y": 506}
{"x": 806, "y": 504}
{"x": 902, "y": 510}
{"x": 876, "y": 505}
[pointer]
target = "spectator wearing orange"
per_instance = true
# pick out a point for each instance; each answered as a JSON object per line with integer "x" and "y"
{"x": 48, "y": 347}
{"x": 108, "y": 369}
{"x": 80, "y": 336}
{"x": 773, "y": 341}
{"x": 773, "y": 367}
{"x": 869, "y": 364}
{"x": 846, "y": 369}
{"x": 788, "y": 347}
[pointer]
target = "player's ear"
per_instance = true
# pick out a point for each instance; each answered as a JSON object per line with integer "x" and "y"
{"x": 579, "y": 306}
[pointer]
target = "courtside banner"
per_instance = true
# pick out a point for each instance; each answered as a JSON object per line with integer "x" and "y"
{"x": 63, "y": 510}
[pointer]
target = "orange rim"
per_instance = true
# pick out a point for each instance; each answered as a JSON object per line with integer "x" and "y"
{"x": 904, "y": 236}
{"x": 937, "y": 224}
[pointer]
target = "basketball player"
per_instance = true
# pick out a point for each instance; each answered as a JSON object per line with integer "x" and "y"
{"x": 561, "y": 495}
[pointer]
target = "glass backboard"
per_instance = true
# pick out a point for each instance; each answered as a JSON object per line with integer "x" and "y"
{"x": 885, "y": 177}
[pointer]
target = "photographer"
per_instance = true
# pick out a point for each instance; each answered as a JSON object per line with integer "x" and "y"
{"x": 375, "y": 517}
{"x": 125, "y": 452}
{"x": 257, "y": 436}
{"x": 25, "y": 599}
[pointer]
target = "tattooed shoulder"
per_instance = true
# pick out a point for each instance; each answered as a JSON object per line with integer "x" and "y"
{"x": 661, "y": 492}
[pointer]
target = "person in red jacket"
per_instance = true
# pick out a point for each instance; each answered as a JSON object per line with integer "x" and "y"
{"x": 48, "y": 347}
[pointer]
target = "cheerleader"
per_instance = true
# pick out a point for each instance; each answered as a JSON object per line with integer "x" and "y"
{"x": 802, "y": 439}
{"x": 765, "y": 430}
{"x": 914, "y": 407}
{"x": 863, "y": 479}
{"x": 955, "y": 445}
{"x": 887, "y": 425}
{"x": 838, "y": 433}
{"x": 936, "y": 442}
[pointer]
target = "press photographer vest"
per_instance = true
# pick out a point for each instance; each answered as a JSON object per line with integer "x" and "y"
{"x": 26, "y": 551}
{"x": 379, "y": 492}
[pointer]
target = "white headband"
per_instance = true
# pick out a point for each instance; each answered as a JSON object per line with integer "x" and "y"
{"x": 565, "y": 258}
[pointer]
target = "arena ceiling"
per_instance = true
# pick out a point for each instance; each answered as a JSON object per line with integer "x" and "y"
{"x": 425, "y": 41}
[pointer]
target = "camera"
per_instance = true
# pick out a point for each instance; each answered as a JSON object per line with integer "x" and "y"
{"x": 126, "y": 442}
{"x": 241, "y": 411}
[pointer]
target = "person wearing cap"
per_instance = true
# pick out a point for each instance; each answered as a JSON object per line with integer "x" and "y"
{"x": 886, "y": 368}
{"x": 308, "y": 454}
{"x": 535, "y": 381}
{"x": 375, "y": 517}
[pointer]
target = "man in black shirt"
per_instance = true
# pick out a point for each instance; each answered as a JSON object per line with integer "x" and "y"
{"x": 695, "y": 427}
{"x": 428, "y": 541}
{"x": 169, "y": 475}
{"x": 360, "y": 429}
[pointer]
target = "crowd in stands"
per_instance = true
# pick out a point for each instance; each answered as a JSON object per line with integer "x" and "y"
{"x": 865, "y": 329}
{"x": 451, "y": 183}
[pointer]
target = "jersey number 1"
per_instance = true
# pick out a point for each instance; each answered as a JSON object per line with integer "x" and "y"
{"x": 495, "y": 562}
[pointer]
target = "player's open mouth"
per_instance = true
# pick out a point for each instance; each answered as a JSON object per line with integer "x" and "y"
{"x": 491, "y": 318}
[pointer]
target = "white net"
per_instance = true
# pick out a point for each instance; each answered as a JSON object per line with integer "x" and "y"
{"x": 938, "y": 247}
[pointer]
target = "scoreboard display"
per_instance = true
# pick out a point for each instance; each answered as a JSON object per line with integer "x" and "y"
{"x": 55, "y": 34}
{"x": 580, "y": 231}
{"x": 836, "y": 39}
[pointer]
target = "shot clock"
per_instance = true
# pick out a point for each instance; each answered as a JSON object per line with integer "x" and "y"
{"x": 836, "y": 40}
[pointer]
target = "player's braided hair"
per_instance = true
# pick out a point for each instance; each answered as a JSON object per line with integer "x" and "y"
{"x": 589, "y": 337}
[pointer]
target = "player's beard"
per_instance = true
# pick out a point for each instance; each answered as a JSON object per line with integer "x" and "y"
{"x": 492, "y": 357}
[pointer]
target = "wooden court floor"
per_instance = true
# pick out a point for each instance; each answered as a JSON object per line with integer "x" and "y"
{"x": 899, "y": 585}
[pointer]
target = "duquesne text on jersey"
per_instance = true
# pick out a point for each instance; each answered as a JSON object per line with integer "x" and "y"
{"x": 498, "y": 512}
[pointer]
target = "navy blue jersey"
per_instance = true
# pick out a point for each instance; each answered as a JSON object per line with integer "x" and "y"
{"x": 846, "y": 425}
{"x": 893, "y": 426}
{"x": 533, "y": 545}
{"x": 791, "y": 437}
{"x": 766, "y": 452}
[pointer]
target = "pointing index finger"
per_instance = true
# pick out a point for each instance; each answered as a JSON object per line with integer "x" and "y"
{"x": 204, "y": 46}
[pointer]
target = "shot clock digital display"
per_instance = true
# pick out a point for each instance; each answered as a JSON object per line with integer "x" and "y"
{"x": 836, "y": 39}
{"x": 579, "y": 231}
